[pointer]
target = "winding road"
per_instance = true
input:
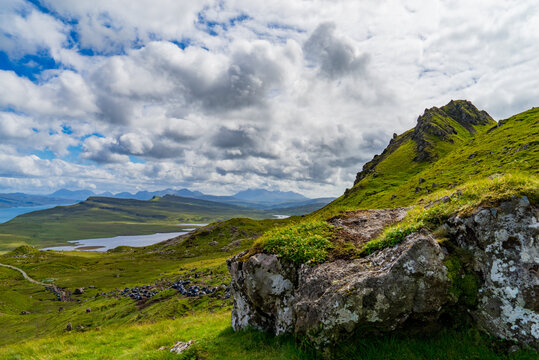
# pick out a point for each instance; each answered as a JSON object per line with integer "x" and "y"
{"x": 26, "y": 275}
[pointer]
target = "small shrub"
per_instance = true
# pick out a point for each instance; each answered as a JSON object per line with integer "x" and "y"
{"x": 300, "y": 243}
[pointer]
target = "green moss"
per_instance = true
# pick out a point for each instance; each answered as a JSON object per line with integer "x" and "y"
{"x": 459, "y": 201}
{"x": 464, "y": 285}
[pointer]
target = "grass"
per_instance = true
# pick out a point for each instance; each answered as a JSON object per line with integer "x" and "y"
{"x": 193, "y": 257}
{"x": 214, "y": 339}
{"x": 460, "y": 201}
{"x": 306, "y": 242}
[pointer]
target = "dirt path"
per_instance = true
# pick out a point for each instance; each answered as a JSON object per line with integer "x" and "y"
{"x": 26, "y": 275}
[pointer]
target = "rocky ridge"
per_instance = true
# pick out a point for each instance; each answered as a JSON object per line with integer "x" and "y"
{"x": 435, "y": 122}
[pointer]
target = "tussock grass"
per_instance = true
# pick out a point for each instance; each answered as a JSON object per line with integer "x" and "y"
{"x": 459, "y": 201}
{"x": 305, "y": 242}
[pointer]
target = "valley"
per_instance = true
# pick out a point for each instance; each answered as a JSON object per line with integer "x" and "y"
{"x": 108, "y": 217}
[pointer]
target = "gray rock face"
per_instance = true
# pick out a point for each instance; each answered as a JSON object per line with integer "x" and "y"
{"x": 378, "y": 293}
{"x": 331, "y": 300}
{"x": 505, "y": 245}
{"x": 262, "y": 292}
{"x": 398, "y": 286}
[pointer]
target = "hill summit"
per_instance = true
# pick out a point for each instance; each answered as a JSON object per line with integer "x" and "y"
{"x": 453, "y": 123}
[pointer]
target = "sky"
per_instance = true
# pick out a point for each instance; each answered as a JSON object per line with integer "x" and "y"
{"x": 220, "y": 96}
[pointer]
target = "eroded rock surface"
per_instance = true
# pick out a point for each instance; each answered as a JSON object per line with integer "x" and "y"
{"x": 263, "y": 291}
{"x": 378, "y": 293}
{"x": 406, "y": 284}
{"x": 505, "y": 246}
{"x": 331, "y": 300}
{"x": 362, "y": 226}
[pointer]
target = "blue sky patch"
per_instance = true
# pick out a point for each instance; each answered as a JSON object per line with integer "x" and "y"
{"x": 136, "y": 160}
{"x": 44, "y": 154}
{"x": 29, "y": 66}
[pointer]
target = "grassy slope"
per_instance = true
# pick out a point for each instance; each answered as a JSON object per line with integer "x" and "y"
{"x": 471, "y": 157}
{"x": 119, "y": 328}
{"x": 462, "y": 160}
{"x": 127, "y": 267}
{"x": 106, "y": 217}
{"x": 216, "y": 340}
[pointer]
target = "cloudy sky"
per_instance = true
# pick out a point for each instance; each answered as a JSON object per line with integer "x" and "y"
{"x": 224, "y": 95}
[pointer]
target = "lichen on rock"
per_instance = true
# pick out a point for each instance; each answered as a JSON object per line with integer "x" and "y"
{"x": 505, "y": 248}
{"x": 488, "y": 267}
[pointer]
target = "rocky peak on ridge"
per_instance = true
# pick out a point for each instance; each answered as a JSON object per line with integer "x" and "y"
{"x": 436, "y": 124}
{"x": 442, "y": 123}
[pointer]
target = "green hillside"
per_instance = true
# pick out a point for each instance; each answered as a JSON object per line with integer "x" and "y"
{"x": 450, "y": 158}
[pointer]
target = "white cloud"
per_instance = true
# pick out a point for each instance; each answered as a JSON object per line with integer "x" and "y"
{"x": 276, "y": 94}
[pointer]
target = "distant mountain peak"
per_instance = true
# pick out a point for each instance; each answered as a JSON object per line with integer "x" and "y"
{"x": 72, "y": 194}
{"x": 270, "y": 196}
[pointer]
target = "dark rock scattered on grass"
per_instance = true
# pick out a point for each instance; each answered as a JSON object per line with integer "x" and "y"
{"x": 58, "y": 292}
{"x": 184, "y": 287}
{"x": 180, "y": 347}
{"x": 190, "y": 291}
{"x": 69, "y": 327}
{"x": 78, "y": 291}
{"x": 140, "y": 292}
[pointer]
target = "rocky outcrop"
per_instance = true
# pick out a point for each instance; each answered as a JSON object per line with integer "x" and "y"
{"x": 437, "y": 122}
{"x": 403, "y": 287}
{"x": 263, "y": 289}
{"x": 378, "y": 294}
{"x": 504, "y": 242}
{"x": 328, "y": 301}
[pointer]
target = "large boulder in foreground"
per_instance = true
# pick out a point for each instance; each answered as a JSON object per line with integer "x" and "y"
{"x": 408, "y": 285}
{"x": 379, "y": 293}
{"x": 331, "y": 300}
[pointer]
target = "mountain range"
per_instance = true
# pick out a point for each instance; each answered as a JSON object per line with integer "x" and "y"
{"x": 252, "y": 198}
